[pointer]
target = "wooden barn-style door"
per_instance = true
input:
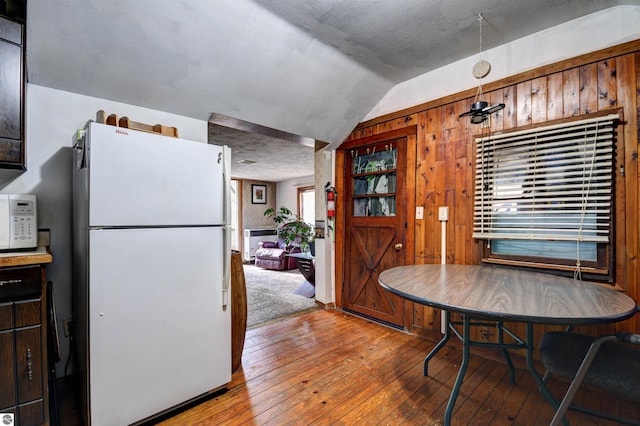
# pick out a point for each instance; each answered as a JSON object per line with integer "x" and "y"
{"x": 374, "y": 227}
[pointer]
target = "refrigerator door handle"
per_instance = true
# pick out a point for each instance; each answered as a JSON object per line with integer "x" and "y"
{"x": 226, "y": 259}
{"x": 79, "y": 145}
{"x": 226, "y": 230}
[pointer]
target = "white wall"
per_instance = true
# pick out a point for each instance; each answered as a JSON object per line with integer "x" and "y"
{"x": 52, "y": 117}
{"x": 287, "y": 192}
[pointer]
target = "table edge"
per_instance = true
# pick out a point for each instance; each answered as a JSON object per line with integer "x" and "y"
{"x": 511, "y": 317}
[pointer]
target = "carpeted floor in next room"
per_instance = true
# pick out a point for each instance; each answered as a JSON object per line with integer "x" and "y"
{"x": 270, "y": 295}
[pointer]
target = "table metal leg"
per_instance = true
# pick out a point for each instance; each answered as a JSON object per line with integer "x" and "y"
{"x": 505, "y": 352}
{"x": 532, "y": 369}
{"x": 463, "y": 369}
{"x": 441, "y": 343}
{"x": 465, "y": 337}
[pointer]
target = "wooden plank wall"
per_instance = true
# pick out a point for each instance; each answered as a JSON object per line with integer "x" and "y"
{"x": 444, "y": 158}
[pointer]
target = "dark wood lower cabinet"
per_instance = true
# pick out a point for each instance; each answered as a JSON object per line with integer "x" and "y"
{"x": 8, "y": 370}
{"x": 23, "y": 349}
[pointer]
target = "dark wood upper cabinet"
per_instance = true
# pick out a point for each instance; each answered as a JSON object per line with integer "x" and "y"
{"x": 11, "y": 95}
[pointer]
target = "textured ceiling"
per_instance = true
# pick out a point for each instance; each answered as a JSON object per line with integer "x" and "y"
{"x": 402, "y": 39}
{"x": 272, "y": 159}
{"x": 261, "y": 153}
{"x": 313, "y": 68}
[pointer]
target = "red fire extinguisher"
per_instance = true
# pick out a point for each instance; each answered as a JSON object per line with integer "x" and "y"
{"x": 331, "y": 201}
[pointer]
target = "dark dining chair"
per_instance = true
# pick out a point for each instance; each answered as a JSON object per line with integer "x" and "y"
{"x": 608, "y": 363}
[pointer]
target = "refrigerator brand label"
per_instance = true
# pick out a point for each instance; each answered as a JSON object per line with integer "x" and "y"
{"x": 122, "y": 132}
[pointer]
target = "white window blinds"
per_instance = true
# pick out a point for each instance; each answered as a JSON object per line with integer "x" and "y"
{"x": 548, "y": 183}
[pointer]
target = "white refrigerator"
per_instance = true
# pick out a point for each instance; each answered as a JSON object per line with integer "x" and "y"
{"x": 151, "y": 271}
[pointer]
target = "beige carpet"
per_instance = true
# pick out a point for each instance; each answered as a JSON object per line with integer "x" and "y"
{"x": 270, "y": 295}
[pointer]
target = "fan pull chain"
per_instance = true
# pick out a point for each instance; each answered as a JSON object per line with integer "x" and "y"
{"x": 479, "y": 94}
{"x": 480, "y": 19}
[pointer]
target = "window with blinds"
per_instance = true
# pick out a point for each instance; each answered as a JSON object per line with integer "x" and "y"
{"x": 547, "y": 192}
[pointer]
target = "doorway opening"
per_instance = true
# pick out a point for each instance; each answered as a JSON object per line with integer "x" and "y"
{"x": 236, "y": 208}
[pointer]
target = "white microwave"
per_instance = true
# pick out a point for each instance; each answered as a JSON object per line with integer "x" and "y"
{"x": 18, "y": 222}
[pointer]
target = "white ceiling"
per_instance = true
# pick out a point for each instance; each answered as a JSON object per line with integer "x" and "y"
{"x": 313, "y": 68}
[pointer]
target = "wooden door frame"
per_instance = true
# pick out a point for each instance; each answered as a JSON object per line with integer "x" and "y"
{"x": 240, "y": 231}
{"x": 410, "y": 132}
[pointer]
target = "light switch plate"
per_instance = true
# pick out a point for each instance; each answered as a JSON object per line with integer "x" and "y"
{"x": 420, "y": 212}
{"x": 443, "y": 213}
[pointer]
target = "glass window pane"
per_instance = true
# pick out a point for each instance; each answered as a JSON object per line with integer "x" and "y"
{"x": 554, "y": 249}
{"x": 307, "y": 205}
{"x": 374, "y": 181}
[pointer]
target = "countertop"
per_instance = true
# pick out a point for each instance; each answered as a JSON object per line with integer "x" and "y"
{"x": 22, "y": 258}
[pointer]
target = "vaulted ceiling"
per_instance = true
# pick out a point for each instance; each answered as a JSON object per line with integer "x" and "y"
{"x": 313, "y": 68}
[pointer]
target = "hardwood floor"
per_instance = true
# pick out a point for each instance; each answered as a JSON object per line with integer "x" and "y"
{"x": 328, "y": 367}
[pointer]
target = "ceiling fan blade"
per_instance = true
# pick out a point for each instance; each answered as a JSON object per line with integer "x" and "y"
{"x": 477, "y": 108}
{"x": 493, "y": 108}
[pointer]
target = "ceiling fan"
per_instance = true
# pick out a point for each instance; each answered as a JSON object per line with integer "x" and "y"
{"x": 481, "y": 109}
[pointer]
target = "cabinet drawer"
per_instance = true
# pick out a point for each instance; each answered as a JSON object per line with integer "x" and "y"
{"x": 27, "y": 313}
{"x": 19, "y": 283}
{"x": 6, "y": 316}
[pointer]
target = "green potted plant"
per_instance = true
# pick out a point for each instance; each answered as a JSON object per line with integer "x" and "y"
{"x": 291, "y": 228}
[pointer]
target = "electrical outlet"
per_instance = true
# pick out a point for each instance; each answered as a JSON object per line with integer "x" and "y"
{"x": 69, "y": 325}
{"x": 44, "y": 236}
